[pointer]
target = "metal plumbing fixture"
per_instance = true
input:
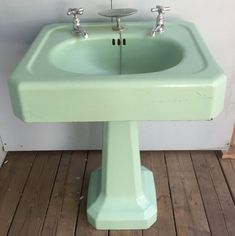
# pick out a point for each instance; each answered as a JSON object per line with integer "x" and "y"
{"x": 77, "y": 28}
{"x": 160, "y": 27}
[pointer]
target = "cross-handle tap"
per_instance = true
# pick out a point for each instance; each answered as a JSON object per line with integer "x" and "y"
{"x": 160, "y": 9}
{"x": 159, "y": 28}
{"x": 76, "y": 12}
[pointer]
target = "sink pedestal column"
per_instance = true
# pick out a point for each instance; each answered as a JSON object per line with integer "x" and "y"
{"x": 121, "y": 193}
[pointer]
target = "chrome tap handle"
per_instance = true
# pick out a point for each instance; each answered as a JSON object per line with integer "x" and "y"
{"x": 77, "y": 28}
{"x": 160, "y": 27}
{"x": 160, "y": 9}
{"x": 75, "y": 12}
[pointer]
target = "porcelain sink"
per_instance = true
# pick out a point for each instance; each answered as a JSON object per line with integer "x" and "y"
{"x": 96, "y": 59}
{"x": 65, "y": 78}
{"x": 119, "y": 79}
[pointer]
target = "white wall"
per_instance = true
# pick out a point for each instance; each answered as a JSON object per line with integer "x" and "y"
{"x": 20, "y": 22}
{"x": 2, "y": 156}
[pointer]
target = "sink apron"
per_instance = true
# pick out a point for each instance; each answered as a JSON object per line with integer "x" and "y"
{"x": 121, "y": 193}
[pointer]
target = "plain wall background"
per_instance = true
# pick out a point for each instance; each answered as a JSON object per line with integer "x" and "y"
{"x": 20, "y": 21}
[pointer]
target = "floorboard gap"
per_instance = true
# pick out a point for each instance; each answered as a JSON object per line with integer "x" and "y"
{"x": 172, "y": 207}
{"x": 82, "y": 191}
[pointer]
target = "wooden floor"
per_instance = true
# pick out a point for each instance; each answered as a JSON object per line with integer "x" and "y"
{"x": 44, "y": 193}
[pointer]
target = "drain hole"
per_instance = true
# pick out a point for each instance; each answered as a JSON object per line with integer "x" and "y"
{"x": 118, "y": 42}
{"x": 124, "y": 41}
{"x": 113, "y": 42}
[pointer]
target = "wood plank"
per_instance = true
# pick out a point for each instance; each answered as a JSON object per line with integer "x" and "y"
{"x": 222, "y": 191}
{"x": 83, "y": 227}
{"x": 215, "y": 194}
{"x": 125, "y": 233}
{"x": 228, "y": 167}
{"x": 165, "y": 225}
{"x": 13, "y": 176}
{"x": 230, "y": 154}
{"x": 32, "y": 208}
{"x": 218, "y": 179}
{"x": 190, "y": 217}
{"x": 63, "y": 207}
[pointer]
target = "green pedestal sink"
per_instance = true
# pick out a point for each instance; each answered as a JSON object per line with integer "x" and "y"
{"x": 118, "y": 79}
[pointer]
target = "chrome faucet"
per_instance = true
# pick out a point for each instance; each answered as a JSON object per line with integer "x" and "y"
{"x": 159, "y": 28}
{"x": 77, "y": 29}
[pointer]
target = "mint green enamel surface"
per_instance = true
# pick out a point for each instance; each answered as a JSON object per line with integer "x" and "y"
{"x": 65, "y": 78}
{"x": 146, "y": 55}
{"x": 121, "y": 193}
{"x": 86, "y": 57}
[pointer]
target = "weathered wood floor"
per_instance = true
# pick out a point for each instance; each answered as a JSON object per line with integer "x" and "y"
{"x": 44, "y": 193}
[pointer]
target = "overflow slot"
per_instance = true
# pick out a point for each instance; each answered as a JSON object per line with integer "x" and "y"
{"x": 119, "y": 42}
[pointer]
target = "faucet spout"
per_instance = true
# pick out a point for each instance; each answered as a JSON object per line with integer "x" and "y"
{"x": 77, "y": 29}
{"x": 84, "y": 34}
{"x": 158, "y": 29}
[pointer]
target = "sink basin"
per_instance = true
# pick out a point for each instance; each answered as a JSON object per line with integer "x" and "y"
{"x": 156, "y": 55}
{"x": 65, "y": 78}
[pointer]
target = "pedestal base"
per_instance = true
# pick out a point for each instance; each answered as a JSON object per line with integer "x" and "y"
{"x": 121, "y": 193}
{"x": 120, "y": 211}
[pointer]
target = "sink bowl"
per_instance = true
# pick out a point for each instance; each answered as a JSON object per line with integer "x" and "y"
{"x": 97, "y": 59}
{"x": 65, "y": 78}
